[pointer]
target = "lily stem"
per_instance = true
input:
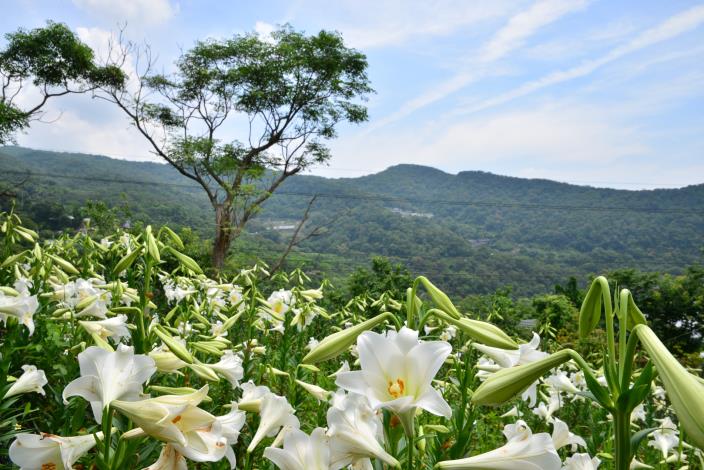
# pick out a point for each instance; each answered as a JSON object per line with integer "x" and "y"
{"x": 410, "y": 445}
{"x": 622, "y": 427}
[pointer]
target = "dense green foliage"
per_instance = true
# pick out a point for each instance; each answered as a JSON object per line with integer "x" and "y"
{"x": 69, "y": 301}
{"x": 292, "y": 91}
{"x": 53, "y": 62}
{"x": 504, "y": 231}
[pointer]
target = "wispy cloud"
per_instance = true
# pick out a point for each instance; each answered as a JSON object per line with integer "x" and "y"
{"x": 368, "y": 24}
{"x": 674, "y": 26}
{"x": 510, "y": 37}
{"x": 525, "y": 24}
{"x": 134, "y": 12}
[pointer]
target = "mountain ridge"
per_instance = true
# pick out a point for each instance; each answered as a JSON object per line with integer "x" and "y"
{"x": 491, "y": 229}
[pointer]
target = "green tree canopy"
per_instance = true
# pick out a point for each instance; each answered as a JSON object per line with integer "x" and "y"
{"x": 53, "y": 61}
{"x": 290, "y": 91}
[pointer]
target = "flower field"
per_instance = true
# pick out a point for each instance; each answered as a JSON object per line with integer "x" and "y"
{"x": 121, "y": 354}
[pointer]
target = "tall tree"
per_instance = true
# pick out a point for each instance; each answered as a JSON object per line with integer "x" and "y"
{"x": 286, "y": 94}
{"x": 51, "y": 62}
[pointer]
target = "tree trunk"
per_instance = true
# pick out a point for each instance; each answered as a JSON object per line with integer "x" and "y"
{"x": 223, "y": 235}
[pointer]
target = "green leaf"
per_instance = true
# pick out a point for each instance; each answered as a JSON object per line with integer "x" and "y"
{"x": 638, "y": 437}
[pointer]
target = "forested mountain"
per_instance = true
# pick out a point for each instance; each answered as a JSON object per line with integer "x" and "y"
{"x": 471, "y": 232}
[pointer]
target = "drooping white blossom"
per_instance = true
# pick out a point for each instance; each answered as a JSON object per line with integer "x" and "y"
{"x": 301, "y": 451}
{"x": 581, "y": 462}
{"x": 107, "y": 376}
{"x": 355, "y": 431}
{"x": 31, "y": 380}
{"x": 275, "y": 412}
{"x": 523, "y": 451}
{"x": 230, "y": 367}
{"x": 48, "y": 451}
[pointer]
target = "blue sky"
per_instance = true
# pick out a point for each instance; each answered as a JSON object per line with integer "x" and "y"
{"x": 600, "y": 92}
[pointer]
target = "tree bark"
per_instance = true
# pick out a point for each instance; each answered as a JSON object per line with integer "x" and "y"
{"x": 223, "y": 235}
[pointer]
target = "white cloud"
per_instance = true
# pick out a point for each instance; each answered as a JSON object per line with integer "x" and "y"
{"x": 555, "y": 135}
{"x": 133, "y": 12}
{"x": 674, "y": 26}
{"x": 526, "y": 23}
{"x": 370, "y": 23}
{"x": 510, "y": 37}
{"x": 264, "y": 30}
{"x": 73, "y": 132}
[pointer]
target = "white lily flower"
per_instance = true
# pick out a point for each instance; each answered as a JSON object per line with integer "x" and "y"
{"x": 345, "y": 367}
{"x": 170, "y": 418}
{"x": 524, "y": 451}
{"x": 217, "y": 331}
{"x": 312, "y": 343}
{"x": 107, "y": 376}
{"x": 397, "y": 371}
{"x": 230, "y": 425}
{"x": 581, "y": 462}
{"x": 530, "y": 395}
{"x": 666, "y": 438}
{"x": 22, "y": 307}
{"x": 279, "y": 302}
{"x": 560, "y": 382}
{"x": 22, "y": 285}
{"x": 31, "y": 380}
{"x": 546, "y": 411}
{"x": 252, "y": 396}
{"x": 355, "y": 431}
{"x": 47, "y": 451}
{"x": 448, "y": 333}
{"x": 115, "y": 327}
{"x": 636, "y": 464}
{"x": 561, "y": 436}
{"x": 230, "y": 367}
{"x": 303, "y": 317}
{"x": 301, "y": 452}
{"x": 578, "y": 379}
{"x": 638, "y": 414}
{"x": 525, "y": 354}
{"x": 319, "y": 393}
{"x": 165, "y": 360}
{"x": 204, "y": 444}
{"x": 169, "y": 459}
{"x": 512, "y": 413}
{"x": 274, "y": 413}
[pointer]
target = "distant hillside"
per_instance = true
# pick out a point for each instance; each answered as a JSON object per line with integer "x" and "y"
{"x": 472, "y": 232}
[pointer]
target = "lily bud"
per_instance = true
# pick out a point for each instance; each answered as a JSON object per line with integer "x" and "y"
{"x": 126, "y": 261}
{"x": 204, "y": 372}
{"x": 166, "y": 361}
{"x": 635, "y": 316}
{"x": 174, "y": 346}
{"x": 253, "y": 406}
{"x": 9, "y": 291}
{"x": 152, "y": 247}
{"x": 11, "y": 260}
{"x": 505, "y": 384}
{"x": 312, "y": 294}
{"x": 65, "y": 265}
{"x": 186, "y": 261}
{"x": 176, "y": 391}
{"x": 590, "y": 313}
{"x": 337, "y": 343}
{"x": 319, "y": 393}
{"x": 482, "y": 332}
{"x": 440, "y": 298}
{"x": 684, "y": 390}
{"x": 85, "y": 303}
{"x": 172, "y": 235}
